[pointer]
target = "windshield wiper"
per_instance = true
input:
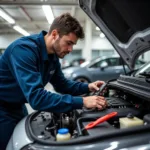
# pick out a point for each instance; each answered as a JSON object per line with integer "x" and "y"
{"x": 145, "y": 74}
{"x": 132, "y": 72}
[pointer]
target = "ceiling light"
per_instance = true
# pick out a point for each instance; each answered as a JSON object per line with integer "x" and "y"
{"x": 20, "y": 30}
{"x": 97, "y": 28}
{"x": 48, "y": 13}
{"x": 102, "y": 35}
{"x": 7, "y": 17}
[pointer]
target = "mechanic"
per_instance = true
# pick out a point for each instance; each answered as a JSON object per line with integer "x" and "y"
{"x": 29, "y": 63}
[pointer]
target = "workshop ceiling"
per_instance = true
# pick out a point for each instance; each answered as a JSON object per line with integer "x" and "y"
{"x": 30, "y": 16}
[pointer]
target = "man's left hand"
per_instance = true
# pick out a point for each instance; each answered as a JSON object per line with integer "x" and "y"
{"x": 94, "y": 86}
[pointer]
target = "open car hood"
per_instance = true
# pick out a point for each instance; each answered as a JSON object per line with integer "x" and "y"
{"x": 124, "y": 22}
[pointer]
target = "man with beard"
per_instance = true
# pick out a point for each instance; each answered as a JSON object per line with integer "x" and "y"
{"x": 29, "y": 63}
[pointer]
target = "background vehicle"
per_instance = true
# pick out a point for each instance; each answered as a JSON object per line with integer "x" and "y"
{"x": 126, "y": 25}
{"x": 101, "y": 68}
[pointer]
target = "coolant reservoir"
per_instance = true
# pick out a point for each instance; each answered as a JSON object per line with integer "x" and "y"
{"x": 130, "y": 122}
{"x": 63, "y": 135}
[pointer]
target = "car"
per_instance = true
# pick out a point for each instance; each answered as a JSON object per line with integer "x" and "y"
{"x": 125, "y": 123}
{"x": 102, "y": 68}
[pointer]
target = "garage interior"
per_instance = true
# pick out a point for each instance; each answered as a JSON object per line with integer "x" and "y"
{"x": 93, "y": 55}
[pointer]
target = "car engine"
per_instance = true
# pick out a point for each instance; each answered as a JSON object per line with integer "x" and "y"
{"x": 128, "y": 96}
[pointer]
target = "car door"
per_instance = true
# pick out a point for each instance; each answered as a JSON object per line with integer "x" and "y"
{"x": 112, "y": 69}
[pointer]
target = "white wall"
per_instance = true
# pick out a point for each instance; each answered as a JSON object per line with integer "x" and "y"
{"x": 97, "y": 43}
{"x": 101, "y": 43}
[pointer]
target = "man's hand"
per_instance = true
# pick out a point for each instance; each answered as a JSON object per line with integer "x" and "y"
{"x": 94, "y": 86}
{"x": 94, "y": 102}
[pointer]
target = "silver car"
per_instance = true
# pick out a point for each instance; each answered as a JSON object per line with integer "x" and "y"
{"x": 101, "y": 68}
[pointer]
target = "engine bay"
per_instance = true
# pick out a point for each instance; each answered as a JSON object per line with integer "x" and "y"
{"x": 44, "y": 125}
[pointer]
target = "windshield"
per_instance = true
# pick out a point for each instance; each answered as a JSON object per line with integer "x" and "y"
{"x": 144, "y": 68}
{"x": 85, "y": 64}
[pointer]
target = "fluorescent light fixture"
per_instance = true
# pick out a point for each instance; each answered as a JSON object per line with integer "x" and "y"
{"x": 97, "y": 28}
{"x": 48, "y": 13}
{"x": 102, "y": 35}
{"x": 6, "y": 17}
{"x": 20, "y": 30}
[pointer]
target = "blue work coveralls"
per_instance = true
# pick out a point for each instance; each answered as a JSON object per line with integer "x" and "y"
{"x": 25, "y": 68}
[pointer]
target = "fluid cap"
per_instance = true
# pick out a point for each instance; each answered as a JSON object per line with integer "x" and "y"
{"x": 63, "y": 131}
{"x": 130, "y": 115}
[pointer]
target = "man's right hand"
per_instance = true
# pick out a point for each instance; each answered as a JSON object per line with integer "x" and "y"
{"x": 94, "y": 102}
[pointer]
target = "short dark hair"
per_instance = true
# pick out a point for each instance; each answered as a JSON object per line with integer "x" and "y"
{"x": 66, "y": 24}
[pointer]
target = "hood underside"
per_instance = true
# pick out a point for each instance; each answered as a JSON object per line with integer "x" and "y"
{"x": 124, "y": 22}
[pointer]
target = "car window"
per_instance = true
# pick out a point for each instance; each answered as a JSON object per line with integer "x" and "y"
{"x": 114, "y": 62}
{"x": 97, "y": 64}
{"x": 110, "y": 61}
{"x": 139, "y": 62}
